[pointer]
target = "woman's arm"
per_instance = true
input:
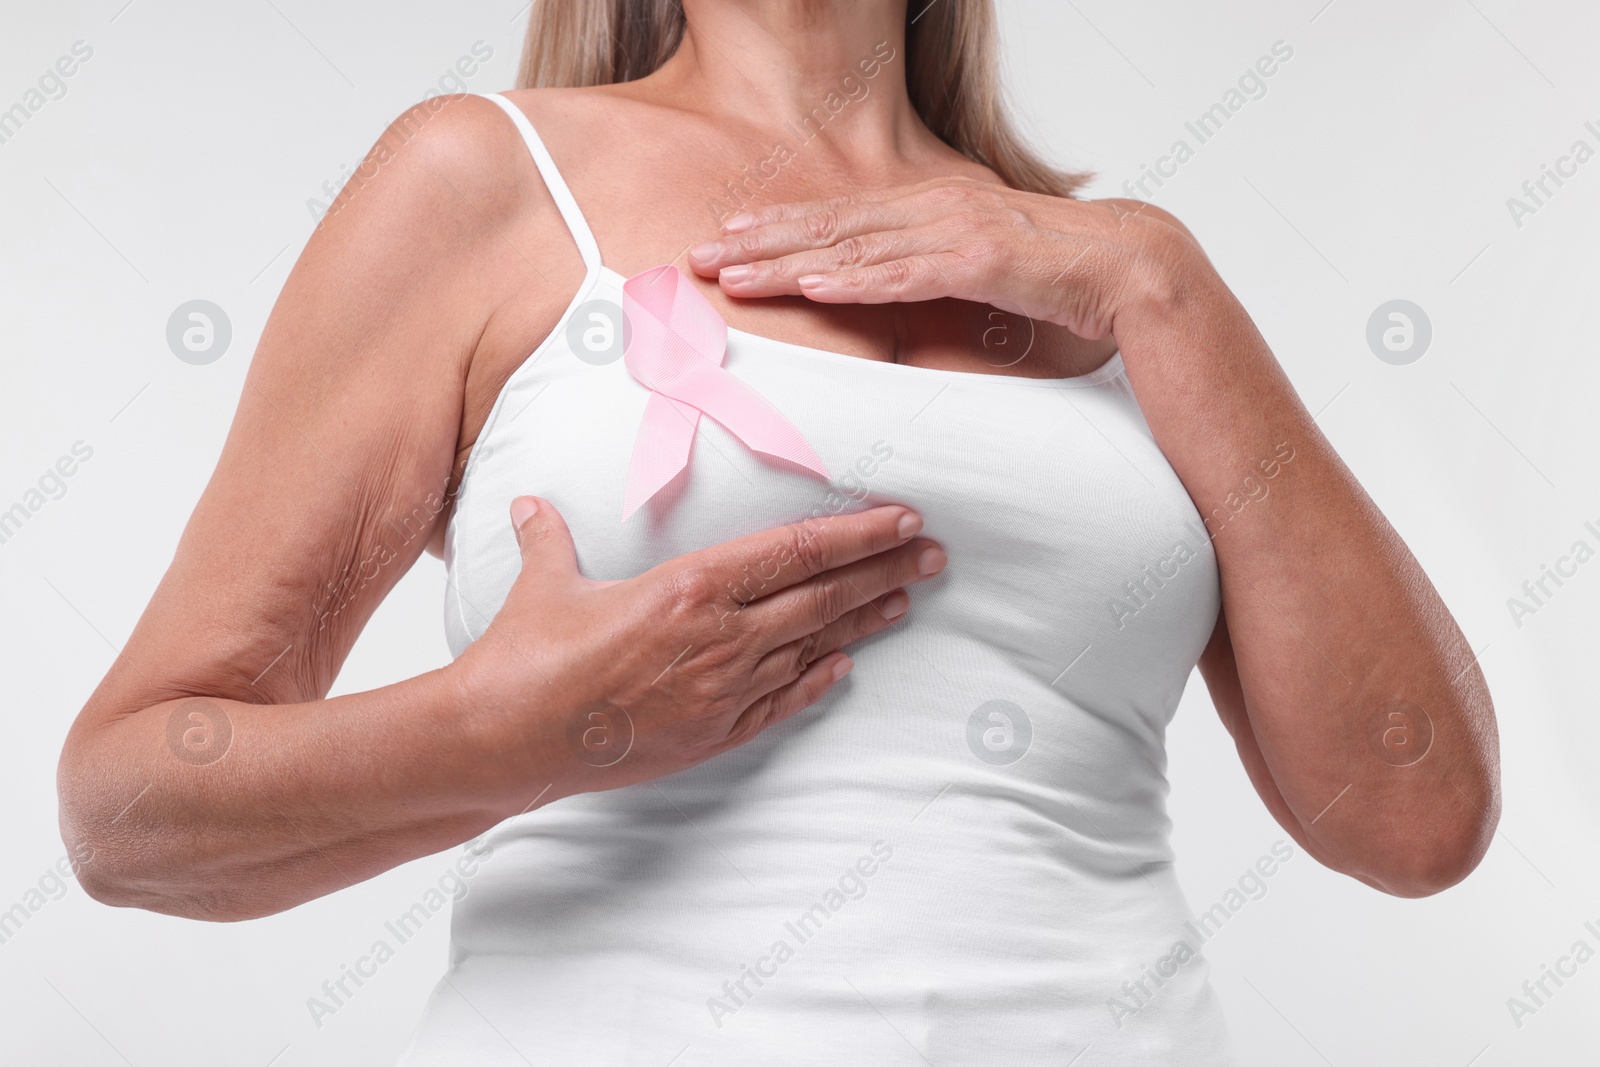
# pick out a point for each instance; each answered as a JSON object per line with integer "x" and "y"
{"x": 207, "y": 776}
{"x": 1337, "y": 662}
{"x": 340, "y": 448}
{"x": 1356, "y": 703}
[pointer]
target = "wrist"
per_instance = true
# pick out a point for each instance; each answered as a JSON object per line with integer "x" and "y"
{"x": 509, "y": 731}
{"x": 1166, "y": 279}
{"x": 1163, "y": 265}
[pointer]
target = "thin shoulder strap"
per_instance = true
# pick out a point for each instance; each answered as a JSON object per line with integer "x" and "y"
{"x": 570, "y": 212}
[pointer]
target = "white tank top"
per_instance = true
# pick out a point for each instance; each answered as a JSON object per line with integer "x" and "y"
{"x": 960, "y": 855}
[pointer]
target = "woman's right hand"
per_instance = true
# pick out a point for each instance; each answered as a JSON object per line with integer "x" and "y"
{"x": 581, "y": 685}
{"x": 350, "y": 426}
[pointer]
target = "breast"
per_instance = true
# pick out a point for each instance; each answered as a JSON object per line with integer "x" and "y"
{"x": 1021, "y": 704}
{"x": 1075, "y": 553}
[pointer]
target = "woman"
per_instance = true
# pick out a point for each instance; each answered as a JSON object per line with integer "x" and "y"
{"x": 963, "y": 847}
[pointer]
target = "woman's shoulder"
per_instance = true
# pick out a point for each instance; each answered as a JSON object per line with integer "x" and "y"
{"x": 456, "y": 154}
{"x": 438, "y": 151}
{"x": 584, "y": 125}
{"x": 465, "y": 145}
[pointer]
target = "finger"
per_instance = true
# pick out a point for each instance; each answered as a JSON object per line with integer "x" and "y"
{"x": 819, "y": 228}
{"x": 932, "y": 194}
{"x": 786, "y": 663}
{"x": 782, "y": 703}
{"x": 543, "y": 539}
{"x": 761, "y": 564}
{"x": 781, "y": 276}
{"x": 933, "y": 276}
{"x": 794, "y": 613}
{"x": 799, "y": 209}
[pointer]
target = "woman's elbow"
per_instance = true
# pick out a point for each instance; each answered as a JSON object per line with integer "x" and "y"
{"x": 124, "y": 875}
{"x": 1441, "y": 854}
{"x": 124, "y": 861}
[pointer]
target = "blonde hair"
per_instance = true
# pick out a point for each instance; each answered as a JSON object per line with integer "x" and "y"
{"x": 952, "y": 71}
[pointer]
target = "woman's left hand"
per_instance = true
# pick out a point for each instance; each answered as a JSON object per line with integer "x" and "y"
{"x": 1075, "y": 263}
{"x": 1298, "y": 576}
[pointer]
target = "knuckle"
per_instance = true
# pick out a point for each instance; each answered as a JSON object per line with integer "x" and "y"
{"x": 751, "y": 722}
{"x": 700, "y": 695}
{"x": 748, "y": 246}
{"x": 710, "y": 697}
{"x": 1012, "y": 218}
{"x": 806, "y": 652}
{"x": 806, "y": 548}
{"x": 898, "y": 272}
{"x": 852, "y": 626}
{"x": 758, "y": 723}
{"x": 867, "y": 621}
{"x": 900, "y": 568}
{"x": 718, "y": 706}
{"x": 853, "y": 251}
{"x": 531, "y": 535}
{"x": 719, "y": 659}
{"x": 830, "y": 599}
{"x": 822, "y": 226}
{"x": 688, "y": 591}
{"x": 766, "y": 271}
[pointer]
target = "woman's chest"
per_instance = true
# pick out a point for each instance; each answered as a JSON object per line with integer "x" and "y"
{"x": 946, "y": 335}
{"x": 1063, "y": 522}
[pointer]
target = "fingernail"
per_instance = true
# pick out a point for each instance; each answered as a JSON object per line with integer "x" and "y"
{"x": 842, "y": 667}
{"x": 931, "y": 561}
{"x": 706, "y": 251}
{"x": 736, "y": 273}
{"x": 895, "y": 605}
{"x": 739, "y": 223}
{"x": 809, "y": 280}
{"x": 910, "y": 523}
{"x": 522, "y": 509}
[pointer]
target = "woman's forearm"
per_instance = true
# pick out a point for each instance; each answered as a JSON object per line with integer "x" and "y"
{"x": 221, "y": 809}
{"x": 1355, "y": 700}
{"x": 1362, "y": 697}
{"x": 218, "y": 809}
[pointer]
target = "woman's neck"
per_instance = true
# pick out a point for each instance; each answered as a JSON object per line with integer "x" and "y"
{"x": 772, "y": 63}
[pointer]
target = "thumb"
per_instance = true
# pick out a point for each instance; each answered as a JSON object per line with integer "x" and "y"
{"x": 543, "y": 538}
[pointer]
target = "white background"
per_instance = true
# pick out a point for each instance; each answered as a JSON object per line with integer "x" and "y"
{"x": 1377, "y": 166}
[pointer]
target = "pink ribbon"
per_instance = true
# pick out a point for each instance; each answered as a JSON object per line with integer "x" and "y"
{"x": 676, "y": 351}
